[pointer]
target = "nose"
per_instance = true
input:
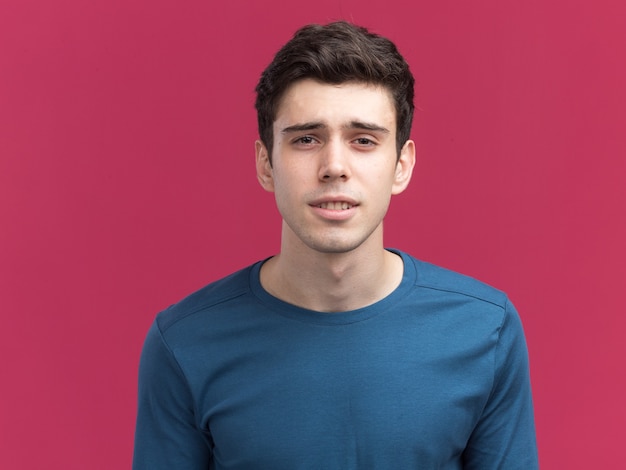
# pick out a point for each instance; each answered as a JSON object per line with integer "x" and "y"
{"x": 334, "y": 163}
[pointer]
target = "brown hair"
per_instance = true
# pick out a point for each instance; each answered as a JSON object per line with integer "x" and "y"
{"x": 336, "y": 53}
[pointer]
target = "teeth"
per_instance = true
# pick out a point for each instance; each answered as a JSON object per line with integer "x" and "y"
{"x": 336, "y": 206}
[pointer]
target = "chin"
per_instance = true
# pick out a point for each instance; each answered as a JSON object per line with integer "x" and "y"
{"x": 333, "y": 246}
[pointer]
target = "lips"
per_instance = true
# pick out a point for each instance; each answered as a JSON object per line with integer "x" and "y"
{"x": 335, "y": 205}
{"x": 334, "y": 202}
{"x": 336, "y": 208}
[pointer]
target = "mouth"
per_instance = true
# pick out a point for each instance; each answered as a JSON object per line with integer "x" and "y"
{"x": 335, "y": 205}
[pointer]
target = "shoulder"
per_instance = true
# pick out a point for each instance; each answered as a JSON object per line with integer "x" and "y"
{"x": 210, "y": 297}
{"x": 453, "y": 284}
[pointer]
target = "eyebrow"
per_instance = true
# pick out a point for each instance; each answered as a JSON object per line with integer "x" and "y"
{"x": 367, "y": 126}
{"x": 306, "y": 126}
{"x": 310, "y": 126}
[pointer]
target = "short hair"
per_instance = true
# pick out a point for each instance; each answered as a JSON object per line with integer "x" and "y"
{"x": 336, "y": 53}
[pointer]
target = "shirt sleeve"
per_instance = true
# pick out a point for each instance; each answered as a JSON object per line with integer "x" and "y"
{"x": 167, "y": 435}
{"x": 504, "y": 437}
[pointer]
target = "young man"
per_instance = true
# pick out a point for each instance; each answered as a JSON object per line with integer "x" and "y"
{"x": 336, "y": 353}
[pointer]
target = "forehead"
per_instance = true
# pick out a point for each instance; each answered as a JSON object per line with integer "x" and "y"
{"x": 312, "y": 101}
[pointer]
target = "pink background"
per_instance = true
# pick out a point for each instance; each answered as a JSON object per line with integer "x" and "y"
{"x": 127, "y": 181}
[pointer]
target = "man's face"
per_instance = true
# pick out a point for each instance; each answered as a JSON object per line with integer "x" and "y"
{"x": 334, "y": 164}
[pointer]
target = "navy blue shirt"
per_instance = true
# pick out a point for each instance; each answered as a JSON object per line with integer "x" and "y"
{"x": 435, "y": 375}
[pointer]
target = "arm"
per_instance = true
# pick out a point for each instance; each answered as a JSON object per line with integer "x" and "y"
{"x": 166, "y": 435}
{"x": 504, "y": 437}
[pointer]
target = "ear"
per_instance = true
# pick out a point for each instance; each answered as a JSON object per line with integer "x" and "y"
{"x": 404, "y": 167}
{"x": 264, "y": 171}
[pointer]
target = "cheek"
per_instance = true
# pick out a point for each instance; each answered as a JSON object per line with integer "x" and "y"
{"x": 376, "y": 176}
{"x": 285, "y": 189}
{"x": 292, "y": 178}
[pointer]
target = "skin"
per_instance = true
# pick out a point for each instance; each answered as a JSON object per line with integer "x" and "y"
{"x": 333, "y": 169}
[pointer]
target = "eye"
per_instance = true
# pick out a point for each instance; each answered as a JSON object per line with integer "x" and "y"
{"x": 305, "y": 140}
{"x": 364, "y": 142}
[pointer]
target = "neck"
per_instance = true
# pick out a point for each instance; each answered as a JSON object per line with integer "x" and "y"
{"x": 332, "y": 282}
